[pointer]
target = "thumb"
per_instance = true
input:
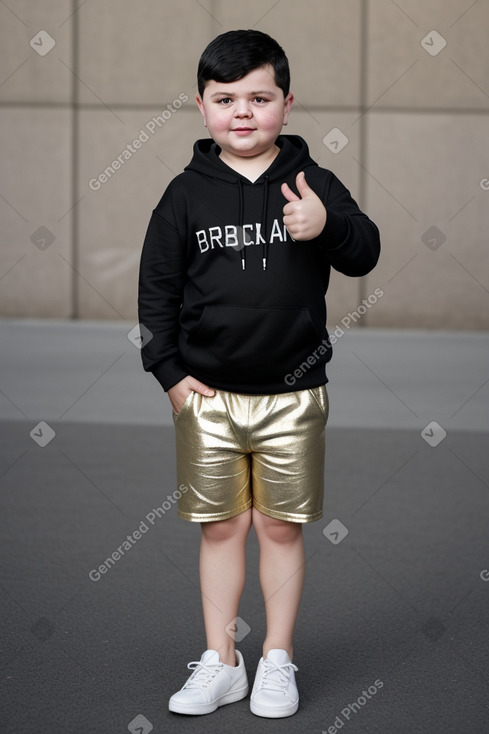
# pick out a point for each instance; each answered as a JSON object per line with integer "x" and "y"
{"x": 288, "y": 193}
{"x": 199, "y": 387}
{"x": 302, "y": 186}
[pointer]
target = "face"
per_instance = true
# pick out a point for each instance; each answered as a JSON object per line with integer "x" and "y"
{"x": 245, "y": 117}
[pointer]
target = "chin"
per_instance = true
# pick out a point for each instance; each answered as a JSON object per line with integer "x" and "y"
{"x": 248, "y": 152}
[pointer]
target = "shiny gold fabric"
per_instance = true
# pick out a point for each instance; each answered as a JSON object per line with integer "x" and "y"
{"x": 236, "y": 451}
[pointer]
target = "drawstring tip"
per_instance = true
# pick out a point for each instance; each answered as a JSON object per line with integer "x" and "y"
{"x": 243, "y": 263}
{"x": 264, "y": 263}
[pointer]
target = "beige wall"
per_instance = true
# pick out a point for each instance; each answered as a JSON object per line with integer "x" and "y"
{"x": 417, "y": 125}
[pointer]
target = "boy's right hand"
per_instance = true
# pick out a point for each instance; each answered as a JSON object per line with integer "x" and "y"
{"x": 180, "y": 392}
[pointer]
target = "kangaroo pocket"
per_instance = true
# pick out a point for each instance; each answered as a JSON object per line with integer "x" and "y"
{"x": 240, "y": 343}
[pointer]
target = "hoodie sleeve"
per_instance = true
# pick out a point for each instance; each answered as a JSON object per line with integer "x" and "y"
{"x": 350, "y": 240}
{"x": 161, "y": 281}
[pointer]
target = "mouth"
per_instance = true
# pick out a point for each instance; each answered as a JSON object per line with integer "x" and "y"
{"x": 243, "y": 130}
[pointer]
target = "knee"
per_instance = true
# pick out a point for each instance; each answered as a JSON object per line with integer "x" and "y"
{"x": 235, "y": 528}
{"x": 278, "y": 531}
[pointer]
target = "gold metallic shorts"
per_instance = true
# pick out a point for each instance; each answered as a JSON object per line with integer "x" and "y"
{"x": 235, "y": 451}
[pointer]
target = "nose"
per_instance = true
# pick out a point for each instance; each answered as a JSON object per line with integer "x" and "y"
{"x": 243, "y": 108}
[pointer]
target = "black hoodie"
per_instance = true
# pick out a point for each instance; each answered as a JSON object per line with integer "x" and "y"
{"x": 226, "y": 293}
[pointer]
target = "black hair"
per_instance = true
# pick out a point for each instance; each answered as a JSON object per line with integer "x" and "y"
{"x": 234, "y": 54}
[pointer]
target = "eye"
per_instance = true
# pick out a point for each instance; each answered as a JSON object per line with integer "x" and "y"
{"x": 260, "y": 100}
{"x": 224, "y": 100}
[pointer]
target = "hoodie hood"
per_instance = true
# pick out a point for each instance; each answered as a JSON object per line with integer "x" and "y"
{"x": 292, "y": 157}
{"x": 293, "y": 154}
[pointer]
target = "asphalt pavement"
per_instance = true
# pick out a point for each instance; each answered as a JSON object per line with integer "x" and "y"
{"x": 393, "y": 630}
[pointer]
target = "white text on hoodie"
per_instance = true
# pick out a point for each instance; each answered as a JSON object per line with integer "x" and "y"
{"x": 229, "y": 235}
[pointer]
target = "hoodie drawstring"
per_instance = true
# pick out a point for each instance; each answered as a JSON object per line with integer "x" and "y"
{"x": 240, "y": 223}
{"x": 264, "y": 217}
{"x": 264, "y": 220}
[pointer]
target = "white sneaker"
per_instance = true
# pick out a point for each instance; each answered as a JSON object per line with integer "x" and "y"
{"x": 275, "y": 693}
{"x": 212, "y": 684}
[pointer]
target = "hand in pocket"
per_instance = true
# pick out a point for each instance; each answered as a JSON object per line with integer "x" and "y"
{"x": 180, "y": 392}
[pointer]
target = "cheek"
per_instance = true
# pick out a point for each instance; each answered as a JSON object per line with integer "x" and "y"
{"x": 218, "y": 123}
{"x": 271, "y": 120}
{"x": 219, "y": 126}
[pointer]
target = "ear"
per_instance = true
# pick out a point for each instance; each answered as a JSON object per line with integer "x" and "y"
{"x": 200, "y": 105}
{"x": 289, "y": 101}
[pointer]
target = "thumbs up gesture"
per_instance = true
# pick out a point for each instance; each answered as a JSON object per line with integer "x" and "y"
{"x": 304, "y": 215}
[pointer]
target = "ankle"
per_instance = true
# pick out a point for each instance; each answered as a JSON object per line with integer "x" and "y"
{"x": 227, "y": 655}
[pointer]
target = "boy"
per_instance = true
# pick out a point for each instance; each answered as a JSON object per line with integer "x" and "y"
{"x": 234, "y": 270}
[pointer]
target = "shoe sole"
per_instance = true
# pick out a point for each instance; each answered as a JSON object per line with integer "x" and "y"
{"x": 270, "y": 713}
{"x": 207, "y": 708}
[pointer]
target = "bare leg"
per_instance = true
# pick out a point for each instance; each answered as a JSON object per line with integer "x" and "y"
{"x": 222, "y": 577}
{"x": 282, "y": 572}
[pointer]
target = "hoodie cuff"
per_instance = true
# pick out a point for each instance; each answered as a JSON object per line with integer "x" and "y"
{"x": 335, "y": 231}
{"x": 168, "y": 374}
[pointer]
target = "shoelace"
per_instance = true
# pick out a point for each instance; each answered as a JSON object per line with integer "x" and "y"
{"x": 280, "y": 673}
{"x": 202, "y": 675}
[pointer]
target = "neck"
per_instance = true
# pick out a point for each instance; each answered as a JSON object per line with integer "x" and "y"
{"x": 250, "y": 166}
